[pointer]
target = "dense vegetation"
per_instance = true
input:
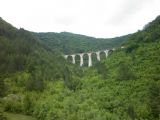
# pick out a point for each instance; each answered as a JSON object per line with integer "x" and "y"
{"x": 125, "y": 86}
{"x": 70, "y": 43}
{"x": 13, "y": 116}
{"x": 25, "y": 63}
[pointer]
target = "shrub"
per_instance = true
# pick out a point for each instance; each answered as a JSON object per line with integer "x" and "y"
{"x": 2, "y": 116}
{"x": 28, "y": 105}
{"x": 2, "y": 87}
{"x": 155, "y": 99}
{"x": 35, "y": 83}
{"x": 12, "y": 103}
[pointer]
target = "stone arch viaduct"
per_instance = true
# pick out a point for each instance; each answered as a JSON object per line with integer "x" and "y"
{"x": 89, "y": 56}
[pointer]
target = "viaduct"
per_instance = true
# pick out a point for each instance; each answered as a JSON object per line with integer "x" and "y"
{"x": 89, "y": 57}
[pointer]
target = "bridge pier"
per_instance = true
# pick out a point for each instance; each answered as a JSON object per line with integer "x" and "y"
{"x": 89, "y": 59}
{"x": 106, "y": 52}
{"x": 73, "y": 59}
{"x": 66, "y": 56}
{"x": 98, "y": 56}
{"x": 81, "y": 59}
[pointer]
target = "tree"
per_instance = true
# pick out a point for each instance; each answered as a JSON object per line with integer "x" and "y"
{"x": 2, "y": 87}
{"x": 27, "y": 105}
{"x": 102, "y": 69}
{"x": 2, "y": 117}
{"x": 155, "y": 99}
{"x": 124, "y": 72}
{"x": 131, "y": 112}
{"x": 71, "y": 80}
{"x": 35, "y": 83}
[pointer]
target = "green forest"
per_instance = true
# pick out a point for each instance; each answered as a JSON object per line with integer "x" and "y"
{"x": 37, "y": 81}
{"x": 69, "y": 43}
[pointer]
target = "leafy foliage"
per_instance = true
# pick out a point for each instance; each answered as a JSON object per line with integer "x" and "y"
{"x": 2, "y": 116}
{"x": 70, "y": 43}
{"x": 155, "y": 99}
{"x": 125, "y": 86}
{"x": 2, "y": 87}
{"x": 124, "y": 72}
{"x": 21, "y": 51}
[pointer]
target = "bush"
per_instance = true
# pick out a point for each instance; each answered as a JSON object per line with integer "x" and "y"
{"x": 2, "y": 116}
{"x": 155, "y": 99}
{"x": 12, "y": 103}
{"x": 35, "y": 83}
{"x": 2, "y": 87}
{"x": 131, "y": 112}
{"x": 28, "y": 105}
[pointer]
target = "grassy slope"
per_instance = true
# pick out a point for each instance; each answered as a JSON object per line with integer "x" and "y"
{"x": 12, "y": 116}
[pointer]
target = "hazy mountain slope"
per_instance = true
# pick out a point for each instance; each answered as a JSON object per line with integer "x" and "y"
{"x": 69, "y": 43}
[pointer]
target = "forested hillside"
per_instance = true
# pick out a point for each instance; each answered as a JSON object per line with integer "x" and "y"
{"x": 21, "y": 51}
{"x": 70, "y": 43}
{"x": 25, "y": 62}
{"x": 125, "y": 86}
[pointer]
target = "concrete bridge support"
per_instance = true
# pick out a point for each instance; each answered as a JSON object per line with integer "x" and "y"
{"x": 66, "y": 56}
{"x": 98, "y": 56}
{"x": 89, "y": 59}
{"x": 106, "y": 52}
{"x": 73, "y": 59}
{"x": 81, "y": 59}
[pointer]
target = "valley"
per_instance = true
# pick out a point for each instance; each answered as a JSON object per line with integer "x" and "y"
{"x": 36, "y": 80}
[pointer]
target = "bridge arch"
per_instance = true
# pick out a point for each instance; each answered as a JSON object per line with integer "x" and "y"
{"x": 77, "y": 59}
{"x": 85, "y": 59}
{"x": 94, "y": 58}
{"x": 69, "y": 58}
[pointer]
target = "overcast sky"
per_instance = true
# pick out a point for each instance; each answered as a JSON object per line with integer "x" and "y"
{"x": 98, "y": 18}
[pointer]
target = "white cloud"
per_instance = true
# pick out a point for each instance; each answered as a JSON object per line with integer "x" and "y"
{"x": 99, "y": 18}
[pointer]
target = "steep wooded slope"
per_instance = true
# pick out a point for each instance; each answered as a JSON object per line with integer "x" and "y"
{"x": 21, "y": 51}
